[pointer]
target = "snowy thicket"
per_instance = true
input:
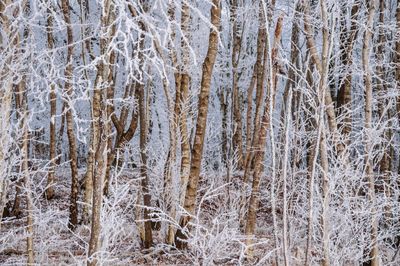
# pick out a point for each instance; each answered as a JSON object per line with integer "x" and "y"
{"x": 199, "y": 132}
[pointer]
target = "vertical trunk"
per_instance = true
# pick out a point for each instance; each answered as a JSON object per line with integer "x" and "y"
{"x": 96, "y": 172}
{"x": 249, "y": 114}
{"x": 53, "y": 108}
{"x": 61, "y": 131}
{"x": 285, "y": 248}
{"x": 223, "y": 101}
{"x": 182, "y": 80}
{"x": 397, "y": 71}
{"x": 322, "y": 65}
{"x": 104, "y": 73}
{"x": 88, "y": 179}
{"x": 294, "y": 58}
{"x": 19, "y": 96}
{"x": 185, "y": 145}
{"x": 112, "y": 77}
{"x": 347, "y": 39}
{"x": 237, "y": 142}
{"x": 312, "y": 157}
{"x": 99, "y": 137}
{"x": 86, "y": 46}
{"x": 326, "y": 44}
{"x": 168, "y": 192}
{"x": 197, "y": 151}
{"x": 145, "y": 129}
{"x": 397, "y": 60}
{"x": 325, "y": 197}
{"x": 170, "y": 203}
{"x": 148, "y": 235}
{"x": 262, "y": 140}
{"x": 330, "y": 111}
{"x": 260, "y": 68}
{"x": 22, "y": 107}
{"x": 381, "y": 89}
{"x": 5, "y": 103}
{"x": 374, "y": 253}
{"x": 73, "y": 217}
{"x": 183, "y": 101}
{"x": 27, "y": 182}
{"x": 88, "y": 194}
{"x": 100, "y": 134}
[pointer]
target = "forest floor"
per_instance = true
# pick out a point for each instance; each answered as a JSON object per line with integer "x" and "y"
{"x": 217, "y": 235}
{"x": 217, "y": 239}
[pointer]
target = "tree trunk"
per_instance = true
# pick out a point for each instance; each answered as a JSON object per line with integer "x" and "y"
{"x": 330, "y": 111}
{"x": 197, "y": 151}
{"x": 374, "y": 252}
{"x": 260, "y": 68}
{"x": 285, "y": 248}
{"x": 53, "y": 109}
{"x": 5, "y": 104}
{"x": 223, "y": 94}
{"x": 347, "y": 40}
{"x": 381, "y": 89}
{"x": 183, "y": 102}
{"x": 237, "y": 141}
{"x": 148, "y": 235}
{"x": 73, "y": 208}
{"x": 182, "y": 80}
{"x": 397, "y": 60}
{"x": 100, "y": 136}
{"x": 27, "y": 183}
{"x": 19, "y": 96}
{"x": 262, "y": 140}
{"x": 112, "y": 77}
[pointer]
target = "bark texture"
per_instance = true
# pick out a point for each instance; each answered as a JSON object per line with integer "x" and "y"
{"x": 73, "y": 207}
{"x": 197, "y": 150}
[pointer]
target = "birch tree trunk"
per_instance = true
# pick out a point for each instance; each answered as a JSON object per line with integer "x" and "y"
{"x": 100, "y": 137}
{"x": 197, "y": 150}
{"x": 262, "y": 140}
{"x": 374, "y": 252}
{"x": 183, "y": 101}
{"x": 237, "y": 130}
{"x": 182, "y": 80}
{"x": 260, "y": 69}
{"x": 381, "y": 90}
{"x": 143, "y": 116}
{"x": 326, "y": 44}
{"x": 73, "y": 208}
{"x": 397, "y": 72}
{"x": 100, "y": 161}
{"x": 6, "y": 92}
{"x": 88, "y": 178}
{"x": 347, "y": 42}
{"x": 27, "y": 184}
{"x": 330, "y": 111}
{"x": 285, "y": 248}
{"x": 322, "y": 65}
{"x": 53, "y": 109}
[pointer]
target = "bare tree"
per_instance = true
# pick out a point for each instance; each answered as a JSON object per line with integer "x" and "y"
{"x": 238, "y": 132}
{"x": 272, "y": 54}
{"x": 73, "y": 219}
{"x": 236, "y": 106}
{"x": 374, "y": 253}
{"x": 53, "y": 110}
{"x": 197, "y": 150}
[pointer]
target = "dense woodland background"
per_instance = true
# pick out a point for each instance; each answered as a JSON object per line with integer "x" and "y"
{"x": 199, "y": 132}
